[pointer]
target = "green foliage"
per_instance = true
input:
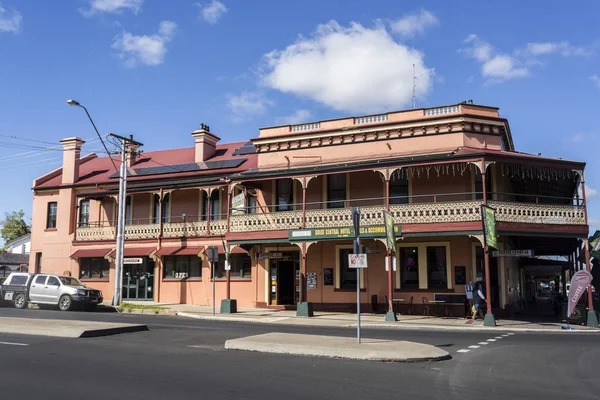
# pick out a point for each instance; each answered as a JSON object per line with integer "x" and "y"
{"x": 13, "y": 226}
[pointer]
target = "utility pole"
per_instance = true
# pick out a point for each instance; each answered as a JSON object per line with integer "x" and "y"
{"x": 125, "y": 153}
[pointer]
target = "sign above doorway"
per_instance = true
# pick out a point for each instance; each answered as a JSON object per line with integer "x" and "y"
{"x": 512, "y": 253}
{"x": 133, "y": 260}
{"x": 269, "y": 255}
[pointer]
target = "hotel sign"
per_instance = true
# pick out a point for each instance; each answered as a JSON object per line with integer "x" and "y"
{"x": 512, "y": 253}
{"x": 340, "y": 233}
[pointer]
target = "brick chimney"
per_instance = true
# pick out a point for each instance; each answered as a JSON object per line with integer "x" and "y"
{"x": 206, "y": 143}
{"x": 133, "y": 155}
{"x": 71, "y": 157}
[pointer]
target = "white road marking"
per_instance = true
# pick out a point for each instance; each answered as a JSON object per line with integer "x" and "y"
{"x": 498, "y": 337}
{"x": 206, "y": 347}
{"x": 463, "y": 351}
{"x": 483, "y": 343}
{"x": 505, "y": 335}
{"x": 473, "y": 347}
{"x": 510, "y": 334}
{"x": 14, "y": 344}
{"x": 491, "y": 340}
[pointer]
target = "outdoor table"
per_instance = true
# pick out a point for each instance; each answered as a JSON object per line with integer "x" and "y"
{"x": 396, "y": 301}
{"x": 438, "y": 302}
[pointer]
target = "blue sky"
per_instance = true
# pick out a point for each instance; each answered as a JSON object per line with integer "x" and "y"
{"x": 157, "y": 69}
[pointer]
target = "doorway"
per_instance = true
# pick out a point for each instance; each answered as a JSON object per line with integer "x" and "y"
{"x": 285, "y": 274}
{"x": 138, "y": 280}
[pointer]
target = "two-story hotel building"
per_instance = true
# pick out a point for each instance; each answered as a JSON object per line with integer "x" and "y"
{"x": 282, "y": 201}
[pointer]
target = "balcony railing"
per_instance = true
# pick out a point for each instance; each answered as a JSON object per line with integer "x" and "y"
{"x": 421, "y": 209}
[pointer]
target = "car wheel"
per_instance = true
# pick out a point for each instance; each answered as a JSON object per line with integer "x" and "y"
{"x": 65, "y": 303}
{"x": 20, "y": 301}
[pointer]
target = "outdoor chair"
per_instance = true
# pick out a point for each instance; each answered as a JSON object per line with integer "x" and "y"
{"x": 425, "y": 306}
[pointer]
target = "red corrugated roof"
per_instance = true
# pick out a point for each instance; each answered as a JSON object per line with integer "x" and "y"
{"x": 98, "y": 170}
{"x": 134, "y": 251}
{"x": 474, "y": 150}
{"x": 83, "y": 253}
{"x": 179, "y": 251}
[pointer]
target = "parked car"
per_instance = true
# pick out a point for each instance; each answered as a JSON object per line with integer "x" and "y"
{"x": 53, "y": 290}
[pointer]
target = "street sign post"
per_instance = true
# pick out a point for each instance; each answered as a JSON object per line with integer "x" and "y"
{"x": 356, "y": 224}
{"x": 213, "y": 257}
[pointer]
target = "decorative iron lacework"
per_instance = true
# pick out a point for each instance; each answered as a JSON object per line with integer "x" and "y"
{"x": 438, "y": 170}
{"x": 145, "y": 231}
{"x": 538, "y": 213}
{"x": 536, "y": 172}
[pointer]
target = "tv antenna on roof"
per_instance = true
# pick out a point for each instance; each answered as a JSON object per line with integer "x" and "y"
{"x": 415, "y": 77}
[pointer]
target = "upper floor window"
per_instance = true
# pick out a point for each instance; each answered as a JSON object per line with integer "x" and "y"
{"x": 84, "y": 213}
{"x": 166, "y": 215}
{"x": 128, "y": 210}
{"x": 284, "y": 192}
{"x": 336, "y": 191}
{"x": 51, "y": 215}
{"x": 251, "y": 204}
{"x": 479, "y": 184}
{"x": 156, "y": 209}
{"x": 215, "y": 205}
{"x": 398, "y": 189}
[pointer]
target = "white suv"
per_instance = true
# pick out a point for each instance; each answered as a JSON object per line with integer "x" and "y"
{"x": 62, "y": 291}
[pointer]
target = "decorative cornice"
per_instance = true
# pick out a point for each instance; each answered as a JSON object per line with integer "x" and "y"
{"x": 307, "y": 139}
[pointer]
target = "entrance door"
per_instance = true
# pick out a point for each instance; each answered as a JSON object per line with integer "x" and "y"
{"x": 286, "y": 282}
{"x": 138, "y": 281}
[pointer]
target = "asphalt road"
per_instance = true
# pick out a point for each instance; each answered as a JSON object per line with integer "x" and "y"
{"x": 181, "y": 358}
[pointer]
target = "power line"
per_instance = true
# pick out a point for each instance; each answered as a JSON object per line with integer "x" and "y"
{"x": 40, "y": 151}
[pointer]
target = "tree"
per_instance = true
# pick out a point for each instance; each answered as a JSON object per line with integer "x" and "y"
{"x": 14, "y": 226}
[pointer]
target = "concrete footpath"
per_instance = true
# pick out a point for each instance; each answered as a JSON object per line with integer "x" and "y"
{"x": 337, "y": 319}
{"x": 65, "y": 328}
{"x": 338, "y": 347}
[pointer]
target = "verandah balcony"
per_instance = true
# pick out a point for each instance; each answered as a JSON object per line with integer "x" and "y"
{"x": 421, "y": 209}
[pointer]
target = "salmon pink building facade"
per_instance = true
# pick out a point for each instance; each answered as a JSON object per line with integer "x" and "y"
{"x": 282, "y": 204}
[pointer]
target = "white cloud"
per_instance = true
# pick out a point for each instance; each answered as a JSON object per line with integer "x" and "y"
{"x": 590, "y": 192}
{"x": 563, "y": 48}
{"x": 596, "y": 79}
{"x": 247, "y": 105}
{"x": 299, "y": 117}
{"x": 144, "y": 49}
{"x": 113, "y": 6}
{"x": 10, "y": 21}
{"x": 351, "y": 69}
{"x": 412, "y": 24}
{"x": 495, "y": 67}
{"x": 212, "y": 12}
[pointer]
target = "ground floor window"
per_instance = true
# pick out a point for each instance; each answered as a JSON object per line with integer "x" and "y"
{"x": 182, "y": 267}
{"x": 437, "y": 277}
{"x": 241, "y": 266}
{"x": 94, "y": 268}
{"x": 347, "y": 274}
{"x": 409, "y": 267}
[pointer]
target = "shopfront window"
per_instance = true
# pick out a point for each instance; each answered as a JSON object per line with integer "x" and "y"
{"x": 179, "y": 267}
{"x": 94, "y": 268}
{"x": 409, "y": 267}
{"x": 241, "y": 266}
{"x": 437, "y": 277}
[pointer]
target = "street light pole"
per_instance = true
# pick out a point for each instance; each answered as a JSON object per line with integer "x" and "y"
{"x": 125, "y": 152}
{"x": 122, "y": 200}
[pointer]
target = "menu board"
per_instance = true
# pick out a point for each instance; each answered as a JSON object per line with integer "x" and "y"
{"x": 328, "y": 277}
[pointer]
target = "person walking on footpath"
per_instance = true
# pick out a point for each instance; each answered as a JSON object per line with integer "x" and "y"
{"x": 478, "y": 300}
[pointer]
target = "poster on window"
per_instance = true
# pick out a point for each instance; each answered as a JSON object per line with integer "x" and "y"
{"x": 460, "y": 275}
{"x": 311, "y": 280}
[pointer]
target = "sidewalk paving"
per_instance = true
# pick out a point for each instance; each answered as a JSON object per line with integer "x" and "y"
{"x": 288, "y": 317}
